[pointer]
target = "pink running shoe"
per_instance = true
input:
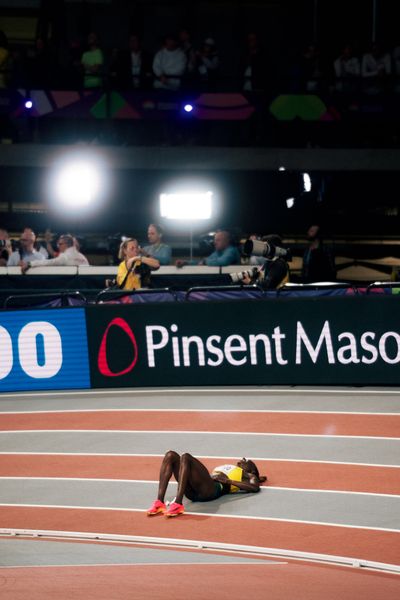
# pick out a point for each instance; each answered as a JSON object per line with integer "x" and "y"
{"x": 174, "y": 510}
{"x": 156, "y": 508}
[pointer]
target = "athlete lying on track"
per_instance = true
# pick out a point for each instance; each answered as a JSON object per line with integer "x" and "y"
{"x": 196, "y": 483}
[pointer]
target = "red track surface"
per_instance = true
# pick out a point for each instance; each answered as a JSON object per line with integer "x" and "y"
{"x": 284, "y": 422}
{"x": 197, "y": 582}
{"x": 274, "y": 582}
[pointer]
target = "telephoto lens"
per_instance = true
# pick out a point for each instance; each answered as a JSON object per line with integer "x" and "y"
{"x": 251, "y": 273}
{"x": 265, "y": 249}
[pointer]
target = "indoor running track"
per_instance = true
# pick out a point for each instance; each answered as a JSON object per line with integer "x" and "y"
{"x": 79, "y": 469}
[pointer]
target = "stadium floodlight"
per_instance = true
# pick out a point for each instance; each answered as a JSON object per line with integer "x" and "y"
{"x": 186, "y": 205}
{"x": 307, "y": 182}
{"x": 77, "y": 183}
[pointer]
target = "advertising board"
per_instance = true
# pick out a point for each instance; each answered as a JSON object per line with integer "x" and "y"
{"x": 43, "y": 349}
{"x": 329, "y": 341}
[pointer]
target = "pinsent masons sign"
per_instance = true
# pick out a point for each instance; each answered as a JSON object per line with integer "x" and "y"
{"x": 308, "y": 341}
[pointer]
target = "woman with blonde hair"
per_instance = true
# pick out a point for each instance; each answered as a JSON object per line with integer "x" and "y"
{"x": 134, "y": 270}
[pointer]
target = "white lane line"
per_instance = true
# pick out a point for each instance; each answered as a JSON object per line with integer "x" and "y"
{"x": 154, "y": 482}
{"x": 197, "y": 410}
{"x": 227, "y": 563}
{"x": 219, "y": 458}
{"x": 184, "y": 391}
{"x": 200, "y": 432}
{"x": 200, "y": 514}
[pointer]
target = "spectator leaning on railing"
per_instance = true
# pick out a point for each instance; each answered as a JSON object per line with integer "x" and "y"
{"x": 69, "y": 256}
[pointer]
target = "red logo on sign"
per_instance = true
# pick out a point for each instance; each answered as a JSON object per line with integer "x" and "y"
{"x": 102, "y": 357}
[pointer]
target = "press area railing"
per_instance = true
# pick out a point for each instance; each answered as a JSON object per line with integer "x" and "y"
{"x": 70, "y": 298}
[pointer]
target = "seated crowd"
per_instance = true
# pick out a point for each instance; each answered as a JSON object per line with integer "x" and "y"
{"x": 268, "y": 266}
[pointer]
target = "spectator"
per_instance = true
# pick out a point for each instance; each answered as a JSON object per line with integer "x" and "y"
{"x": 375, "y": 69}
{"x": 4, "y": 59}
{"x": 134, "y": 270}
{"x": 92, "y": 63}
{"x": 69, "y": 256}
{"x": 169, "y": 65}
{"x": 131, "y": 68}
{"x": 157, "y": 249}
{"x": 318, "y": 259}
{"x": 26, "y": 250}
{"x": 28, "y": 231}
{"x": 225, "y": 252}
{"x": 5, "y": 247}
{"x": 207, "y": 64}
{"x": 347, "y": 70}
{"x": 254, "y": 68}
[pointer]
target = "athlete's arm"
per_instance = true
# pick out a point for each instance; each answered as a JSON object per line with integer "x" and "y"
{"x": 253, "y": 485}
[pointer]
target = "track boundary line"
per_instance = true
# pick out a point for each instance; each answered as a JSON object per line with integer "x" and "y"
{"x": 208, "y": 545}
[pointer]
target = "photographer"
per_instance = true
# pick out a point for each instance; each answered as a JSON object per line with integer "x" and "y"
{"x": 274, "y": 273}
{"x": 134, "y": 270}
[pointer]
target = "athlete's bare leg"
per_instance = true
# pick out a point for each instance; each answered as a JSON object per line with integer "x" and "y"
{"x": 193, "y": 479}
{"x": 169, "y": 466}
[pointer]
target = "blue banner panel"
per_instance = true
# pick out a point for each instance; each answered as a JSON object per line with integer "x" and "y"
{"x": 43, "y": 349}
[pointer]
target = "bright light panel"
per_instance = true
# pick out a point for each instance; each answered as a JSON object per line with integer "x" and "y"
{"x": 186, "y": 205}
{"x": 307, "y": 182}
{"x": 290, "y": 202}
